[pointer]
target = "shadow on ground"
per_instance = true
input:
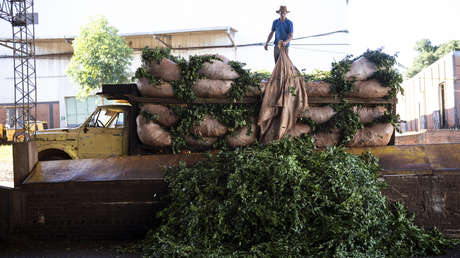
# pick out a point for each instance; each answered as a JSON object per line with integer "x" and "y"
{"x": 60, "y": 249}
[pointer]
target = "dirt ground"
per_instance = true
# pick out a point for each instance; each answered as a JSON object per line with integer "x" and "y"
{"x": 23, "y": 248}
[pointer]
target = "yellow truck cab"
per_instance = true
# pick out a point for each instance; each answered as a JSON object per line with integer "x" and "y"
{"x": 104, "y": 134}
{"x": 3, "y": 138}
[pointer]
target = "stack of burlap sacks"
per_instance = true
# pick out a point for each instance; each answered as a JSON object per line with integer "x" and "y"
{"x": 219, "y": 77}
{"x": 377, "y": 134}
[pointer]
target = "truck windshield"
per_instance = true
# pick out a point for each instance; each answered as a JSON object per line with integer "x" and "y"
{"x": 117, "y": 122}
{"x": 101, "y": 118}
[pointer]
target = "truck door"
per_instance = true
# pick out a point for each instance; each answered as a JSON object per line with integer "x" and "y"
{"x": 103, "y": 134}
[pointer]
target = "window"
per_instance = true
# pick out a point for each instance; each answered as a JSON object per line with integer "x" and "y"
{"x": 117, "y": 122}
{"x": 78, "y": 110}
{"x": 101, "y": 118}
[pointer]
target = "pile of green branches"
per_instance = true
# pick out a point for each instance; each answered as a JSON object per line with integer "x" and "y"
{"x": 285, "y": 199}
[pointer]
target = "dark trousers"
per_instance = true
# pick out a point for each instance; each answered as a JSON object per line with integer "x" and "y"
{"x": 276, "y": 52}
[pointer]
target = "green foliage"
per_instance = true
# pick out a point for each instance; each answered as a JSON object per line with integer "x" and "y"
{"x": 318, "y": 75}
{"x": 234, "y": 116}
{"x": 389, "y": 78}
{"x": 284, "y": 199}
{"x": 189, "y": 71}
{"x": 100, "y": 56}
{"x": 428, "y": 54}
{"x": 380, "y": 58}
{"x": 389, "y": 117}
{"x": 264, "y": 74}
{"x": 149, "y": 116}
{"x": 246, "y": 80}
{"x": 339, "y": 84}
{"x": 345, "y": 119}
{"x": 386, "y": 75}
{"x": 157, "y": 54}
{"x": 142, "y": 73}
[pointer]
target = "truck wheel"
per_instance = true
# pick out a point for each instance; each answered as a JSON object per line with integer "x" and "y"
{"x": 47, "y": 155}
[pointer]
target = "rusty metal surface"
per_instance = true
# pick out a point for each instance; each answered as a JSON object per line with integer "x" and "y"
{"x": 394, "y": 160}
{"x": 416, "y": 159}
{"x": 111, "y": 169}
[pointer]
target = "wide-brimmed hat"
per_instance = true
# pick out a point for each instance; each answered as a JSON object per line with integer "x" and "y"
{"x": 282, "y": 8}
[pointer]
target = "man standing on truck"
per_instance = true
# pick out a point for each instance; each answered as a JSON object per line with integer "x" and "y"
{"x": 283, "y": 29}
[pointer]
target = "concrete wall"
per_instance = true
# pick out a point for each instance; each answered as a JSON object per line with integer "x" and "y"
{"x": 421, "y": 105}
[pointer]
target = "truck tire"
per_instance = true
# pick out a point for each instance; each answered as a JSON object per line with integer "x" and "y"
{"x": 52, "y": 154}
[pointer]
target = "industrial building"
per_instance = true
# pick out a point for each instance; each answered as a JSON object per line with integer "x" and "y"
{"x": 431, "y": 98}
{"x": 56, "y": 93}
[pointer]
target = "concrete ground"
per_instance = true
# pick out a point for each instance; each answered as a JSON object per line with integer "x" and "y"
{"x": 22, "y": 248}
{"x": 75, "y": 249}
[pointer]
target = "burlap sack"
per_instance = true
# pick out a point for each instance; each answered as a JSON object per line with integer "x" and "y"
{"x": 164, "y": 116}
{"x": 369, "y": 114}
{"x": 212, "y": 88}
{"x": 318, "y": 89}
{"x": 255, "y": 91}
{"x": 209, "y": 127}
{"x": 361, "y": 69}
{"x": 319, "y": 114}
{"x": 166, "y": 70}
{"x": 151, "y": 133}
{"x": 325, "y": 139}
{"x": 164, "y": 90}
{"x": 285, "y": 98}
{"x": 219, "y": 70}
{"x": 298, "y": 130}
{"x": 199, "y": 143}
{"x": 241, "y": 138}
{"x": 369, "y": 89}
{"x": 375, "y": 135}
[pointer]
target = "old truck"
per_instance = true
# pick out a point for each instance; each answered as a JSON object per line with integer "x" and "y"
{"x": 105, "y": 133}
{"x": 111, "y": 131}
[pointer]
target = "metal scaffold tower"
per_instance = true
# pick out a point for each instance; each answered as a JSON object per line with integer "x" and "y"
{"x": 20, "y": 13}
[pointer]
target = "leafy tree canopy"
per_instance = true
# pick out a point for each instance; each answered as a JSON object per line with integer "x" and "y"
{"x": 428, "y": 54}
{"x": 100, "y": 56}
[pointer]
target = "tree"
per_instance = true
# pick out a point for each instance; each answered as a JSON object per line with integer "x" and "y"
{"x": 428, "y": 54}
{"x": 100, "y": 56}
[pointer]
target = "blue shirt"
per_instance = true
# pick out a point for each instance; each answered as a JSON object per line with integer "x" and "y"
{"x": 282, "y": 30}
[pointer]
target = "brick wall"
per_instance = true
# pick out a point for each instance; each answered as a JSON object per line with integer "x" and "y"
{"x": 126, "y": 209}
{"x": 435, "y": 199}
{"x": 48, "y": 112}
{"x": 89, "y": 210}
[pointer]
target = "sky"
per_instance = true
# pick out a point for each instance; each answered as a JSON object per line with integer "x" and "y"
{"x": 394, "y": 25}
